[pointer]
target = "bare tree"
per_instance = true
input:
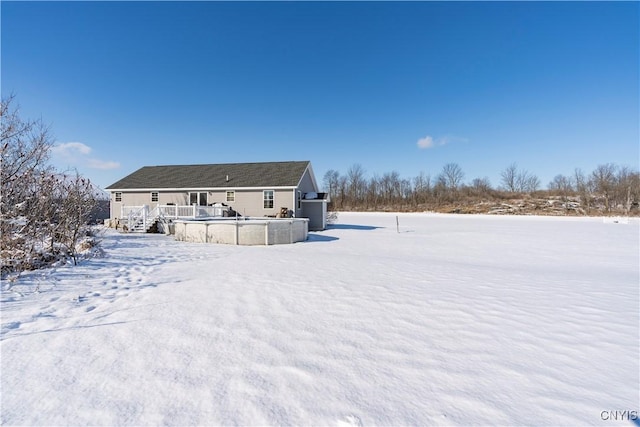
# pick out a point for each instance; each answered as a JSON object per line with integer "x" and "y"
{"x": 584, "y": 188}
{"x": 373, "y": 192}
{"x": 515, "y": 180}
{"x": 330, "y": 181}
{"x": 620, "y": 185}
{"x": 390, "y": 187}
{"x": 626, "y": 188}
{"x": 405, "y": 189}
{"x": 451, "y": 176}
{"x": 421, "y": 188}
{"x": 527, "y": 182}
{"x": 631, "y": 183}
{"x": 342, "y": 190}
{"x": 79, "y": 198}
{"x": 24, "y": 151}
{"x": 604, "y": 181}
{"x": 481, "y": 186}
{"x": 562, "y": 186}
{"x": 41, "y": 211}
{"x": 509, "y": 176}
{"x": 357, "y": 182}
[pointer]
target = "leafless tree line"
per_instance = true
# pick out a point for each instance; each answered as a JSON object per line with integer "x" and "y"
{"x": 608, "y": 189}
{"x": 43, "y": 212}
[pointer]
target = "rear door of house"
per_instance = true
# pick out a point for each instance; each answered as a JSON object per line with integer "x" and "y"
{"x": 199, "y": 199}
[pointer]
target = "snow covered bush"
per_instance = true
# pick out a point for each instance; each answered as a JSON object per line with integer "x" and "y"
{"x": 43, "y": 213}
{"x": 332, "y": 217}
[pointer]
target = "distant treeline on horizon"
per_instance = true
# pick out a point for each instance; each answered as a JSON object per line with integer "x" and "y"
{"x": 608, "y": 188}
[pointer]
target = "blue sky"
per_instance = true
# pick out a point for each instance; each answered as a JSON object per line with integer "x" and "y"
{"x": 404, "y": 87}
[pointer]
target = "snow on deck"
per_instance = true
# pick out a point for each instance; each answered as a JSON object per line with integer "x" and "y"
{"x": 455, "y": 320}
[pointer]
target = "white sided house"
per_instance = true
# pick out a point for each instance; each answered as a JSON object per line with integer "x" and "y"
{"x": 272, "y": 189}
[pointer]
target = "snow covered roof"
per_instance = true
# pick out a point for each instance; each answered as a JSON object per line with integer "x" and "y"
{"x": 230, "y": 175}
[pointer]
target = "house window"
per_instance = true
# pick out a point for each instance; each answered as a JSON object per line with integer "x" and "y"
{"x": 199, "y": 199}
{"x": 118, "y": 197}
{"x": 299, "y": 199}
{"x": 154, "y": 196}
{"x": 267, "y": 197}
{"x": 231, "y": 196}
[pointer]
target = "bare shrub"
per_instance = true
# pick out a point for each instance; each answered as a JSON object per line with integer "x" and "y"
{"x": 42, "y": 212}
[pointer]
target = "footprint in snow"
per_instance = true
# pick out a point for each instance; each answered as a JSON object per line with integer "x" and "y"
{"x": 11, "y": 325}
{"x": 350, "y": 421}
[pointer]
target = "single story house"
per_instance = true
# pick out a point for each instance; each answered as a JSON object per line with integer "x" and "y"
{"x": 272, "y": 189}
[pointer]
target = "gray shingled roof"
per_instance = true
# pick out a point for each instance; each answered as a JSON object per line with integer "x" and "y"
{"x": 271, "y": 174}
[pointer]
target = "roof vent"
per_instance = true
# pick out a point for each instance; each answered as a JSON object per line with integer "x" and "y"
{"x": 227, "y": 178}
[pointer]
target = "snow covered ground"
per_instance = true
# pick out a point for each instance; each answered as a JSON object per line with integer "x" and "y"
{"x": 455, "y": 320}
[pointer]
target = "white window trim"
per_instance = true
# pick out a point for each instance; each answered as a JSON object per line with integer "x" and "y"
{"x": 117, "y": 196}
{"x": 264, "y": 199}
{"x": 233, "y": 197}
{"x": 157, "y": 198}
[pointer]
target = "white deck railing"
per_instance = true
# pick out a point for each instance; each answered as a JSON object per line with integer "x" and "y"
{"x": 140, "y": 218}
{"x": 173, "y": 211}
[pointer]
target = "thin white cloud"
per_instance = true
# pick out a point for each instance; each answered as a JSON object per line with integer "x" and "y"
{"x": 70, "y": 148}
{"x": 431, "y": 142}
{"x": 426, "y": 142}
{"x": 103, "y": 165}
{"x": 448, "y": 139}
{"x": 76, "y": 154}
